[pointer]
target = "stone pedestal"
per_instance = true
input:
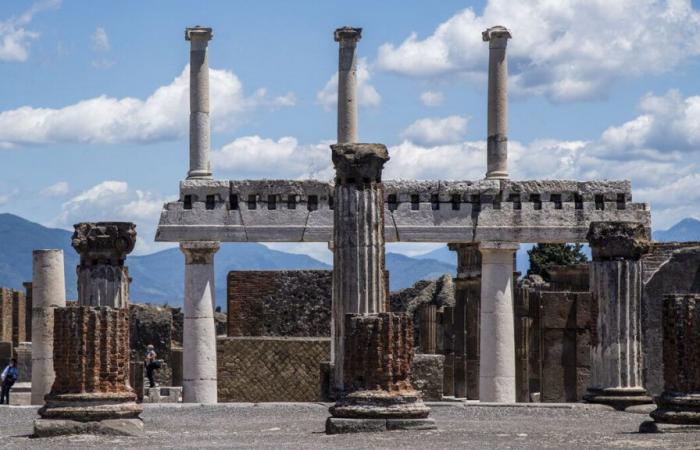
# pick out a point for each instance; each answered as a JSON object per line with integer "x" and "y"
{"x": 103, "y": 279}
{"x": 378, "y": 393}
{"x": 616, "y": 285}
{"x": 497, "y": 337}
{"x": 199, "y": 331}
{"x": 91, "y": 393}
{"x": 48, "y": 293}
{"x": 679, "y": 404}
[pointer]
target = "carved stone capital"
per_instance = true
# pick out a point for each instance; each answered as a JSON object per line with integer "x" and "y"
{"x": 199, "y": 252}
{"x": 617, "y": 240}
{"x": 496, "y": 36}
{"x": 359, "y": 163}
{"x": 103, "y": 242}
{"x": 347, "y": 35}
{"x": 198, "y": 33}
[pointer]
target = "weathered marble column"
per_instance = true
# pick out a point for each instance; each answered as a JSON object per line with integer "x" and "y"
{"x": 199, "y": 333}
{"x": 199, "y": 38}
{"x": 347, "y": 38}
{"x": 428, "y": 329}
{"x": 468, "y": 294}
{"x": 103, "y": 279}
{"x": 48, "y": 293}
{"x": 497, "y": 140}
{"x": 679, "y": 404}
{"x": 616, "y": 287}
{"x": 497, "y": 335}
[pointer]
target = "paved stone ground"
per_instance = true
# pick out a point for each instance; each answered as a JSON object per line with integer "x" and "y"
{"x": 301, "y": 426}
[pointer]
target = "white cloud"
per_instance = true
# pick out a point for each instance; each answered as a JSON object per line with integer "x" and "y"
{"x": 566, "y": 50}
{"x": 4, "y": 198}
{"x": 436, "y": 130}
{"x": 257, "y": 157}
{"x": 15, "y": 38}
{"x": 432, "y": 98}
{"x": 100, "y": 40}
{"x": 162, "y": 116}
{"x": 56, "y": 190}
{"x": 116, "y": 201}
{"x": 367, "y": 95}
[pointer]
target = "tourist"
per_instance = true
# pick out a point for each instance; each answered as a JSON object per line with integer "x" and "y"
{"x": 152, "y": 364}
{"x": 9, "y": 376}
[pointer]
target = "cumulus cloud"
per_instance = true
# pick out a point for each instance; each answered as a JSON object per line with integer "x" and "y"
{"x": 436, "y": 130}
{"x": 367, "y": 95}
{"x": 56, "y": 190}
{"x": 431, "y": 98}
{"x": 15, "y": 38}
{"x": 115, "y": 201}
{"x": 108, "y": 120}
{"x": 566, "y": 50}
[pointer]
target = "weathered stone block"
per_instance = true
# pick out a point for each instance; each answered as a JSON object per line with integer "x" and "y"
{"x": 337, "y": 425}
{"x": 427, "y": 375}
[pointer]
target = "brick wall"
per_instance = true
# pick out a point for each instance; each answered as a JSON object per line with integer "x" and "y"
{"x": 270, "y": 369}
{"x": 5, "y": 315}
{"x": 91, "y": 350}
{"x": 19, "y": 318}
{"x": 279, "y": 303}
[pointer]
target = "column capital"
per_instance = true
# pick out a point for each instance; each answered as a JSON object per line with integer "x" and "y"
{"x": 347, "y": 35}
{"x": 198, "y": 33}
{"x": 103, "y": 242}
{"x": 498, "y": 245}
{"x": 359, "y": 163}
{"x": 497, "y": 36}
{"x": 199, "y": 252}
{"x": 617, "y": 240}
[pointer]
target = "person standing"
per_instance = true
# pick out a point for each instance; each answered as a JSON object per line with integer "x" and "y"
{"x": 9, "y": 376}
{"x": 152, "y": 364}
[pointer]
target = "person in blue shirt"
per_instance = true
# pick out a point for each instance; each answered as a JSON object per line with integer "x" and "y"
{"x": 9, "y": 376}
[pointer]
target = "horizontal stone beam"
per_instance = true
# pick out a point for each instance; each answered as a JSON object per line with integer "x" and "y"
{"x": 416, "y": 211}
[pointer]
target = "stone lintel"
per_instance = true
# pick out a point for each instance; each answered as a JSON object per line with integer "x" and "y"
{"x": 618, "y": 240}
{"x": 198, "y": 33}
{"x": 347, "y": 34}
{"x": 359, "y": 163}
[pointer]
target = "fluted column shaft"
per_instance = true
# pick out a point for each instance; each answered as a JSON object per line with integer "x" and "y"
{"x": 199, "y": 331}
{"x": 347, "y": 38}
{"x": 497, "y": 139}
{"x": 200, "y": 129}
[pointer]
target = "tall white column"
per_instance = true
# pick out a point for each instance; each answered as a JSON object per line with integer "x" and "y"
{"x": 347, "y": 38}
{"x": 199, "y": 331}
{"x": 48, "y": 293}
{"x": 199, "y": 38}
{"x": 497, "y": 339}
{"x": 497, "y": 139}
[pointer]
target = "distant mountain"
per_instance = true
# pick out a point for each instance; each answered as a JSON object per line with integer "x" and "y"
{"x": 447, "y": 256}
{"x": 404, "y": 270}
{"x": 686, "y": 230}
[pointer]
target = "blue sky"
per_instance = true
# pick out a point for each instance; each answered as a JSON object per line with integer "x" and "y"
{"x": 93, "y": 106}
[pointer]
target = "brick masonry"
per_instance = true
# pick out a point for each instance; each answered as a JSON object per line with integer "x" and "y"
{"x": 279, "y": 303}
{"x": 681, "y": 325}
{"x": 19, "y": 318}
{"x": 5, "y": 315}
{"x": 91, "y": 350}
{"x": 270, "y": 369}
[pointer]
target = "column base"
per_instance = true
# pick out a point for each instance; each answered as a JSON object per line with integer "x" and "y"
{"x": 114, "y": 427}
{"x": 337, "y": 425}
{"x": 618, "y": 398}
{"x": 380, "y": 405}
{"x": 679, "y": 409}
{"x": 649, "y": 426}
{"x": 91, "y": 407}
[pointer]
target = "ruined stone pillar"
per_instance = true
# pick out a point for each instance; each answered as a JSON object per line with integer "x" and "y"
{"x": 91, "y": 393}
{"x": 497, "y": 140}
{"x": 103, "y": 279}
{"x": 616, "y": 287}
{"x": 497, "y": 337}
{"x": 199, "y": 38}
{"x": 679, "y": 404}
{"x": 468, "y": 294}
{"x": 199, "y": 332}
{"x": 358, "y": 235}
{"x": 48, "y": 293}
{"x": 347, "y": 38}
{"x": 428, "y": 329}
{"x": 28, "y": 304}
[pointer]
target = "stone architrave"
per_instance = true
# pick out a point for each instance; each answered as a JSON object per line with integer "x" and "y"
{"x": 497, "y": 141}
{"x": 497, "y": 334}
{"x": 200, "y": 129}
{"x": 48, "y": 294}
{"x": 199, "y": 330}
{"x": 679, "y": 404}
{"x": 91, "y": 393}
{"x": 377, "y": 346}
{"x": 616, "y": 286}
{"x": 103, "y": 279}
{"x": 347, "y": 38}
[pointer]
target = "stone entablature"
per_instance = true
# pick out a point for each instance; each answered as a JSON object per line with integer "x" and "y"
{"x": 420, "y": 211}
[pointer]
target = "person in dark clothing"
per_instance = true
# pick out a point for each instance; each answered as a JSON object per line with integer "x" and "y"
{"x": 9, "y": 376}
{"x": 152, "y": 364}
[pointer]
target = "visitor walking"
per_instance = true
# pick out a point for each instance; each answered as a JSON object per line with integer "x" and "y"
{"x": 152, "y": 364}
{"x": 9, "y": 376}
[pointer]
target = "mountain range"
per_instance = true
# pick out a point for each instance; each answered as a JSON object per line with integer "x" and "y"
{"x": 159, "y": 277}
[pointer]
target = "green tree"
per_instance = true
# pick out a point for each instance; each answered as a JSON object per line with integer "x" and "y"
{"x": 543, "y": 256}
